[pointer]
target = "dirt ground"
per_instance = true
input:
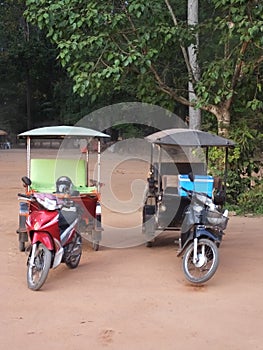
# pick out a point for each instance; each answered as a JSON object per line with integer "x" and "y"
{"x": 129, "y": 298}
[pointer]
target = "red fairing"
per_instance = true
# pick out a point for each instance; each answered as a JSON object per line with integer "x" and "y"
{"x": 44, "y": 238}
{"x": 43, "y": 220}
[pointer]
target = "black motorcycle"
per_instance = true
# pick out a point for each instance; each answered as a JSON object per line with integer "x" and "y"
{"x": 201, "y": 235}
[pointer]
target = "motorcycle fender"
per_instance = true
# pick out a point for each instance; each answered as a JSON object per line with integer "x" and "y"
{"x": 58, "y": 257}
{"x": 187, "y": 242}
{"x": 44, "y": 238}
{"x": 207, "y": 234}
{"x": 202, "y": 232}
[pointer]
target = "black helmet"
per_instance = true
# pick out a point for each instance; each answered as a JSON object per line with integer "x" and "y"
{"x": 64, "y": 185}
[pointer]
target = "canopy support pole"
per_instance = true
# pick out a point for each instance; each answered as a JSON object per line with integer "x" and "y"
{"x": 225, "y": 174}
{"x": 99, "y": 150}
{"x": 28, "y": 158}
{"x": 159, "y": 169}
{"x": 206, "y": 157}
{"x": 151, "y": 159}
{"x": 87, "y": 167}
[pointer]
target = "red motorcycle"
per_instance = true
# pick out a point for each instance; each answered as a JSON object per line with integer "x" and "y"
{"x": 52, "y": 229}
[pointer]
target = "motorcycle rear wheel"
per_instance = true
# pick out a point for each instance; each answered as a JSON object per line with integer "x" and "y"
{"x": 206, "y": 266}
{"x": 37, "y": 274}
{"x": 73, "y": 260}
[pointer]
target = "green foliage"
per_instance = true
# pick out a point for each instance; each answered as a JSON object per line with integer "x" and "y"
{"x": 248, "y": 141}
{"x": 134, "y": 47}
{"x": 237, "y": 27}
{"x": 28, "y": 71}
{"x": 251, "y": 200}
{"x": 114, "y": 45}
{"x": 127, "y": 131}
{"x": 235, "y": 186}
{"x": 244, "y": 190}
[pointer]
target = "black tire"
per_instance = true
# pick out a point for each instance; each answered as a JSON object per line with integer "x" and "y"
{"x": 22, "y": 238}
{"x": 206, "y": 267}
{"x": 21, "y": 246}
{"x": 147, "y": 214}
{"x": 95, "y": 245}
{"x": 73, "y": 260}
{"x": 96, "y": 238}
{"x": 149, "y": 230}
{"x": 38, "y": 272}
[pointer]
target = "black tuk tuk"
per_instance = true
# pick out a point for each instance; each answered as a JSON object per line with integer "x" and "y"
{"x": 174, "y": 154}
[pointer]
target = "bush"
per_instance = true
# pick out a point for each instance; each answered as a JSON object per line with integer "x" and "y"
{"x": 251, "y": 201}
{"x": 243, "y": 161}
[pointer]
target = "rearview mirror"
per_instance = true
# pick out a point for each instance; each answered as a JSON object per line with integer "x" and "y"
{"x": 26, "y": 181}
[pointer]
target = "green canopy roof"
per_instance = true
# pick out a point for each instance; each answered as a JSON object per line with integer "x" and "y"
{"x": 62, "y": 131}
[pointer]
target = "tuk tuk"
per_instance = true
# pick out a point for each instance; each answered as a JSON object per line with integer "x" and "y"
{"x": 73, "y": 162}
{"x": 176, "y": 153}
{"x": 4, "y": 142}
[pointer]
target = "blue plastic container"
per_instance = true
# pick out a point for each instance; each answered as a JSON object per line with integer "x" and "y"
{"x": 202, "y": 183}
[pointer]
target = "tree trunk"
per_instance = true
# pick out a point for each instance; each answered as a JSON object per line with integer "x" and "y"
{"x": 223, "y": 117}
{"x": 194, "y": 114}
{"x": 223, "y": 120}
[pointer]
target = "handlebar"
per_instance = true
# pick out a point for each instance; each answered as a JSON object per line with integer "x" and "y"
{"x": 22, "y": 195}
{"x": 190, "y": 192}
{"x": 58, "y": 205}
{"x": 199, "y": 197}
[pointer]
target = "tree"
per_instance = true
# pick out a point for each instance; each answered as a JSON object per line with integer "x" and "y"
{"x": 235, "y": 73}
{"x": 29, "y": 71}
{"x": 10, "y": 14}
{"x": 137, "y": 46}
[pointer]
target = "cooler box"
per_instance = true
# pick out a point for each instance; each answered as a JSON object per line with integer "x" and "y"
{"x": 202, "y": 183}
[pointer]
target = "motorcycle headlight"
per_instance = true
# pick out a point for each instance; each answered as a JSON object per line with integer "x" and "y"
{"x": 198, "y": 208}
{"x": 36, "y": 225}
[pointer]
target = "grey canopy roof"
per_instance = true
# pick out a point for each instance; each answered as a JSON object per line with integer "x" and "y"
{"x": 188, "y": 138}
{"x": 62, "y": 131}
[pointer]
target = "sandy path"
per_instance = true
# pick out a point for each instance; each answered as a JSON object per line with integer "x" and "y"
{"x": 133, "y": 298}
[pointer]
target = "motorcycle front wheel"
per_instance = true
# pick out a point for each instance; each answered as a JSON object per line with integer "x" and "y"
{"x": 38, "y": 271}
{"x": 207, "y": 261}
